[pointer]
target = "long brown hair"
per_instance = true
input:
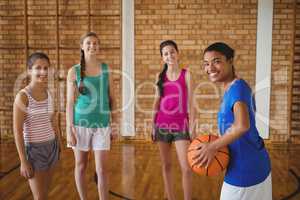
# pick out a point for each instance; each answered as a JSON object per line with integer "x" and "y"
{"x": 82, "y": 59}
{"x": 160, "y": 81}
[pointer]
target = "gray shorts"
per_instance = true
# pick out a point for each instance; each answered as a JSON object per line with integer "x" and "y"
{"x": 42, "y": 156}
{"x": 170, "y": 136}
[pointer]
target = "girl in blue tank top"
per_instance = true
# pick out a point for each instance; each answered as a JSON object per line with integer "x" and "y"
{"x": 248, "y": 176}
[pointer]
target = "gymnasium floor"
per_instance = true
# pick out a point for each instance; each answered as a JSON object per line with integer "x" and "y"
{"x": 135, "y": 173}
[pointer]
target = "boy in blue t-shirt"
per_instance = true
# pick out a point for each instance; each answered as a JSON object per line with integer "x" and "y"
{"x": 248, "y": 176}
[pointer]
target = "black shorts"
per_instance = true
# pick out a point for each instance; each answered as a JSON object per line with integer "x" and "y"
{"x": 170, "y": 136}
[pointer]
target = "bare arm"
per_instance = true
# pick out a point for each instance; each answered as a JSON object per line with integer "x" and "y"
{"x": 19, "y": 113}
{"x": 113, "y": 106}
{"x": 55, "y": 125}
{"x": 239, "y": 127}
{"x": 156, "y": 101}
{"x": 70, "y": 96}
{"x": 155, "y": 108}
{"x": 71, "y": 90}
{"x": 191, "y": 102}
{"x": 20, "y": 104}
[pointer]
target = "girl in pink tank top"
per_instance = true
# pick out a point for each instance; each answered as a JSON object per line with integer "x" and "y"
{"x": 173, "y": 112}
{"x": 35, "y": 130}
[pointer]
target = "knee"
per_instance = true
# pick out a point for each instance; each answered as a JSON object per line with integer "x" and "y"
{"x": 167, "y": 166}
{"x": 39, "y": 196}
{"x": 101, "y": 171}
{"x": 81, "y": 166}
{"x": 186, "y": 171}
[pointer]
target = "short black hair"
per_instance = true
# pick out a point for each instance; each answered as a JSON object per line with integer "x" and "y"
{"x": 222, "y": 48}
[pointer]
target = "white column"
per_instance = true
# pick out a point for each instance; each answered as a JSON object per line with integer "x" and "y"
{"x": 127, "y": 123}
{"x": 263, "y": 65}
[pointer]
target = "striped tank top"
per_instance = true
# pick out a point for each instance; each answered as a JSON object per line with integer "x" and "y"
{"x": 37, "y": 124}
{"x": 173, "y": 107}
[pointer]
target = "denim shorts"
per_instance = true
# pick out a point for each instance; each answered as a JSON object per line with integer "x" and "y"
{"x": 42, "y": 156}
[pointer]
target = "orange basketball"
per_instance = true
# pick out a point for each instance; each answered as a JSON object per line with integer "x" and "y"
{"x": 218, "y": 164}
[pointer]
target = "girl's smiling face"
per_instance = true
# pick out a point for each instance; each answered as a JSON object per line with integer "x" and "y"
{"x": 90, "y": 45}
{"x": 170, "y": 55}
{"x": 39, "y": 71}
{"x": 217, "y": 66}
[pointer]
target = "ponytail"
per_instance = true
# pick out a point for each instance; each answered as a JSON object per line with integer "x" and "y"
{"x": 82, "y": 71}
{"x": 160, "y": 81}
{"x": 82, "y": 60}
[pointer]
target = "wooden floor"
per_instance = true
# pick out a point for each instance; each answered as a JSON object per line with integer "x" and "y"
{"x": 136, "y": 174}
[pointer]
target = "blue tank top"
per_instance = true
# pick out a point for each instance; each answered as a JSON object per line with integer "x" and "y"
{"x": 249, "y": 161}
{"x": 91, "y": 109}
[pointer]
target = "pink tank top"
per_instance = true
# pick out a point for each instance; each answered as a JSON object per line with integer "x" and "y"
{"x": 37, "y": 124}
{"x": 173, "y": 106}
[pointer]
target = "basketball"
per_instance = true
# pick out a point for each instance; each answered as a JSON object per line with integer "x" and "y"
{"x": 219, "y": 162}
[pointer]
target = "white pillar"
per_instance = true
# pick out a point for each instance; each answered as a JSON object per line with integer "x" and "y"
{"x": 263, "y": 65}
{"x": 127, "y": 123}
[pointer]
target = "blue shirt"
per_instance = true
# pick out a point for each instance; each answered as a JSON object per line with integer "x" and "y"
{"x": 249, "y": 161}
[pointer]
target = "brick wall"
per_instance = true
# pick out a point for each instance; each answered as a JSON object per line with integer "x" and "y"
{"x": 73, "y": 22}
{"x": 282, "y": 55}
{"x": 193, "y": 24}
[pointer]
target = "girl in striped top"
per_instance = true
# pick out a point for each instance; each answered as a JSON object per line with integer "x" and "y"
{"x": 34, "y": 128}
